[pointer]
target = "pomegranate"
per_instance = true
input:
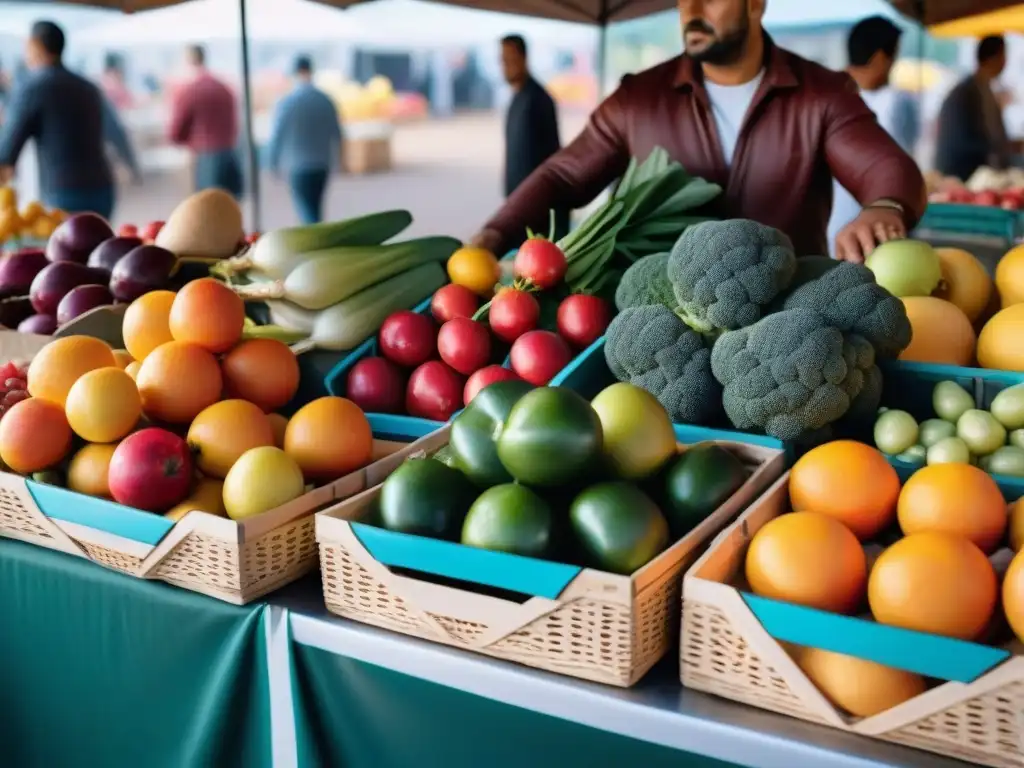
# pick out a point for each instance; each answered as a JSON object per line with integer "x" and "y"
{"x": 434, "y": 392}
{"x": 151, "y": 469}
{"x": 376, "y": 385}
{"x": 453, "y": 300}
{"x": 464, "y": 344}
{"x": 582, "y": 319}
{"x": 408, "y": 338}
{"x": 541, "y": 263}
{"x": 538, "y": 355}
{"x": 513, "y": 312}
{"x": 484, "y": 378}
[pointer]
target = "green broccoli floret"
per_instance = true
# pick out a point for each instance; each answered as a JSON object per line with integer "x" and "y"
{"x": 651, "y": 348}
{"x": 808, "y": 268}
{"x": 646, "y": 282}
{"x": 864, "y": 407}
{"x": 787, "y": 374}
{"x": 726, "y": 273}
{"x": 850, "y": 299}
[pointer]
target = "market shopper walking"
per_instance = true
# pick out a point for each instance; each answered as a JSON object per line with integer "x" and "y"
{"x": 531, "y": 124}
{"x": 872, "y": 48}
{"x": 305, "y": 142}
{"x": 71, "y": 123}
{"x": 204, "y": 118}
{"x": 768, "y": 126}
{"x": 971, "y": 131}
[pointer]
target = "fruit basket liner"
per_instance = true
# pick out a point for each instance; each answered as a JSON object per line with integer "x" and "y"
{"x": 972, "y": 220}
{"x": 563, "y": 618}
{"x": 234, "y": 561}
{"x": 731, "y": 645}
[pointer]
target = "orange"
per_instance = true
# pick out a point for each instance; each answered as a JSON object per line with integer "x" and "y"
{"x": 34, "y": 435}
{"x": 810, "y": 559}
{"x": 942, "y": 333}
{"x": 59, "y": 364}
{"x": 87, "y": 471}
{"x": 177, "y": 380}
{"x": 279, "y": 424}
{"x": 858, "y": 686}
{"x": 123, "y": 358}
{"x": 1000, "y": 344}
{"x": 207, "y": 496}
{"x": 262, "y": 371}
{"x": 474, "y": 268}
{"x": 1010, "y": 277}
{"x": 1013, "y": 595}
{"x": 208, "y": 313}
{"x": 224, "y": 431}
{"x": 954, "y": 498}
{"x": 145, "y": 326}
{"x": 103, "y": 405}
{"x": 934, "y": 582}
{"x": 1017, "y": 525}
{"x": 329, "y": 438}
{"x": 849, "y": 481}
{"x": 965, "y": 282}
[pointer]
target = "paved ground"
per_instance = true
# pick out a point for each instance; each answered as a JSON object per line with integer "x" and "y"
{"x": 447, "y": 173}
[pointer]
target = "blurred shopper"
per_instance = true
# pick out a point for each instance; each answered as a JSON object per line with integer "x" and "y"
{"x": 971, "y": 128}
{"x": 204, "y": 118}
{"x": 71, "y": 123}
{"x": 872, "y": 48}
{"x": 113, "y": 83}
{"x": 531, "y": 125}
{"x": 769, "y": 127}
{"x": 305, "y": 142}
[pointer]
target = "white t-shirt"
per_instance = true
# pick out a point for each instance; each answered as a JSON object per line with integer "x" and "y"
{"x": 729, "y": 105}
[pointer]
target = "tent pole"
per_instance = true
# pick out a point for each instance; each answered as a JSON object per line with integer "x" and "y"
{"x": 250, "y": 139}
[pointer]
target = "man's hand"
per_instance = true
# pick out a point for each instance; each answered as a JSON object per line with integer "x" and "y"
{"x": 488, "y": 239}
{"x": 871, "y": 228}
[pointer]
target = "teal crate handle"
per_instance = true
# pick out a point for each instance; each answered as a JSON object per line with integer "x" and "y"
{"x": 929, "y": 655}
{"x": 390, "y": 426}
{"x": 526, "y": 575}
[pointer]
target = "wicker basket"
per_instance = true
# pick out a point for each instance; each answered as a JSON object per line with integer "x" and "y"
{"x": 234, "y": 561}
{"x": 726, "y": 650}
{"x": 573, "y": 621}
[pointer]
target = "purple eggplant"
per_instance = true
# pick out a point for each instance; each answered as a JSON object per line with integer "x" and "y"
{"x": 41, "y": 324}
{"x": 19, "y": 268}
{"x": 109, "y": 252}
{"x": 54, "y": 281}
{"x": 78, "y": 237}
{"x": 142, "y": 270}
{"x": 14, "y": 310}
{"x": 80, "y": 300}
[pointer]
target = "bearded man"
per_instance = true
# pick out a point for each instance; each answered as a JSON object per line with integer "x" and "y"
{"x": 769, "y": 127}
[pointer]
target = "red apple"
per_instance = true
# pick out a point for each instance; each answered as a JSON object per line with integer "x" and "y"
{"x": 127, "y": 230}
{"x": 151, "y": 470}
{"x": 151, "y": 230}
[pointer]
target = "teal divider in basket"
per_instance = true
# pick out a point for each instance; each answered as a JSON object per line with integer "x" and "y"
{"x": 588, "y": 374}
{"x": 972, "y": 220}
{"x": 525, "y": 575}
{"x": 389, "y": 426}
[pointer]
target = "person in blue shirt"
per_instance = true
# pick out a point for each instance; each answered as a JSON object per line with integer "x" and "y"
{"x": 71, "y": 123}
{"x": 305, "y": 142}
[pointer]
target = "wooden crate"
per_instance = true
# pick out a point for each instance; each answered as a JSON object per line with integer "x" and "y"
{"x": 570, "y": 620}
{"x": 730, "y": 646}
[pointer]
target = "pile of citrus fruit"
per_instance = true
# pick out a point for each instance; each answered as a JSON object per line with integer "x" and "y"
{"x": 924, "y": 556}
{"x": 184, "y": 417}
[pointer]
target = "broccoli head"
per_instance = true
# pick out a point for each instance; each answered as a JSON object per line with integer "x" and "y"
{"x": 850, "y": 299}
{"x": 726, "y": 273}
{"x": 788, "y": 374}
{"x": 646, "y": 282}
{"x": 651, "y": 348}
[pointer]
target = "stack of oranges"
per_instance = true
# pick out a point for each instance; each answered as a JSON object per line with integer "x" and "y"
{"x": 915, "y": 556}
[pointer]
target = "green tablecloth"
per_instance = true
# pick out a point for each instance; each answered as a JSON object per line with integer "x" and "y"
{"x": 357, "y": 715}
{"x": 100, "y": 669}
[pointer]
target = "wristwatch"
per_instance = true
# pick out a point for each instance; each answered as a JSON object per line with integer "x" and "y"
{"x": 891, "y": 205}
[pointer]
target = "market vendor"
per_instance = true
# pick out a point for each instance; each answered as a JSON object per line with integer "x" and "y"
{"x": 768, "y": 126}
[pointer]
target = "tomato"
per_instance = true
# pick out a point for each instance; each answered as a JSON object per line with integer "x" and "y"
{"x": 464, "y": 344}
{"x": 583, "y": 319}
{"x": 376, "y": 385}
{"x": 453, "y": 301}
{"x": 474, "y": 268}
{"x": 484, "y": 378}
{"x": 513, "y": 313}
{"x": 541, "y": 262}
{"x": 408, "y": 338}
{"x": 434, "y": 392}
{"x": 538, "y": 355}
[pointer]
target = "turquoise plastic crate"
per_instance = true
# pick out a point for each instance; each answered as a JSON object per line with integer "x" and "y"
{"x": 973, "y": 220}
{"x": 930, "y": 655}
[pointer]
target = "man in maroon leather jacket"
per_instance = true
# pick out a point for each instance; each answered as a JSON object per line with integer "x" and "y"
{"x": 794, "y": 125}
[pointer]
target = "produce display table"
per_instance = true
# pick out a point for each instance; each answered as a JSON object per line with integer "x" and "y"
{"x": 100, "y": 669}
{"x": 369, "y": 697}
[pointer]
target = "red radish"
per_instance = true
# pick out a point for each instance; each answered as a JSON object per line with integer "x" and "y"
{"x": 582, "y": 319}
{"x": 408, "y": 338}
{"x": 376, "y": 385}
{"x": 150, "y": 469}
{"x": 434, "y": 392}
{"x": 464, "y": 344}
{"x": 484, "y": 378}
{"x": 538, "y": 355}
{"x": 127, "y": 230}
{"x": 513, "y": 313}
{"x": 453, "y": 301}
{"x": 541, "y": 262}
{"x": 151, "y": 230}
{"x": 987, "y": 197}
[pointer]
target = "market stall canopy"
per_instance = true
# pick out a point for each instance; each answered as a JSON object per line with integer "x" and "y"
{"x": 991, "y": 23}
